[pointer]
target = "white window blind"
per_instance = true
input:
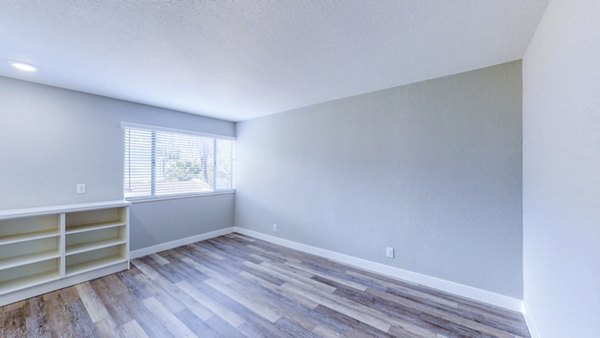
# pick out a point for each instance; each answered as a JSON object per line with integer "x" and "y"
{"x": 162, "y": 163}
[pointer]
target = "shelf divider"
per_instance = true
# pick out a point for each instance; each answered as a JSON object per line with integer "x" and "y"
{"x": 13, "y": 262}
{"x": 27, "y": 281}
{"x": 95, "y": 264}
{"x": 30, "y": 236}
{"x": 63, "y": 242}
{"x": 85, "y": 247}
{"x": 93, "y": 226}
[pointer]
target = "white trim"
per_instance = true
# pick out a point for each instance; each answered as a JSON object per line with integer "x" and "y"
{"x": 533, "y": 331}
{"x": 470, "y": 292}
{"x": 179, "y": 242}
{"x": 17, "y": 213}
{"x": 173, "y": 130}
{"x": 146, "y": 199}
{"x": 466, "y": 291}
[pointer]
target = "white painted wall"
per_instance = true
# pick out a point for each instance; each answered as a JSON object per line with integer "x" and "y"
{"x": 561, "y": 171}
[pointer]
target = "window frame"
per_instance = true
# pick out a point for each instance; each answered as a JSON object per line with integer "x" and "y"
{"x": 153, "y": 197}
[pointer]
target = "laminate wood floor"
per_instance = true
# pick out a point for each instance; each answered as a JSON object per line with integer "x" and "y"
{"x": 237, "y": 286}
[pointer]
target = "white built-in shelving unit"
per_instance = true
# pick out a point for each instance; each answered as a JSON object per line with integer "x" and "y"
{"x": 45, "y": 249}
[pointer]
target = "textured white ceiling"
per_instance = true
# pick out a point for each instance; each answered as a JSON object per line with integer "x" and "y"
{"x": 242, "y": 59}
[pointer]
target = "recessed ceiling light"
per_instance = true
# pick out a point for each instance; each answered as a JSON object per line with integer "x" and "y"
{"x": 23, "y": 66}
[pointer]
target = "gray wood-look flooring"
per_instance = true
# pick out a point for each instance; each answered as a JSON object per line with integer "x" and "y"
{"x": 237, "y": 286}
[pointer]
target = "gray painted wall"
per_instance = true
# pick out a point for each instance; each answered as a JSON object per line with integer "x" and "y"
{"x": 51, "y": 139}
{"x": 169, "y": 220}
{"x": 432, "y": 169}
{"x": 561, "y": 171}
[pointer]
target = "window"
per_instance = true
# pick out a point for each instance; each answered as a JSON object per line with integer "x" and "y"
{"x": 164, "y": 162}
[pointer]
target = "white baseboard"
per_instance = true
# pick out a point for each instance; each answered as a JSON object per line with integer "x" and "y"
{"x": 466, "y": 291}
{"x": 470, "y": 292}
{"x": 529, "y": 321}
{"x": 179, "y": 242}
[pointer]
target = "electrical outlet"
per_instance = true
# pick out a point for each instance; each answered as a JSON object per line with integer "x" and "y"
{"x": 81, "y": 188}
{"x": 275, "y": 227}
{"x": 389, "y": 252}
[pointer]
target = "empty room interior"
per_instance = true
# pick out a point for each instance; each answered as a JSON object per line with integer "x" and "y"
{"x": 300, "y": 168}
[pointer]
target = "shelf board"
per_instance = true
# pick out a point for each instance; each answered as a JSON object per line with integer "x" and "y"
{"x": 30, "y": 236}
{"x": 27, "y": 281}
{"x": 57, "y": 209}
{"x": 95, "y": 264}
{"x": 93, "y": 226}
{"x": 14, "y": 262}
{"x": 85, "y": 247}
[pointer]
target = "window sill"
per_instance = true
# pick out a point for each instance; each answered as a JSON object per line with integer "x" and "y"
{"x": 136, "y": 200}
